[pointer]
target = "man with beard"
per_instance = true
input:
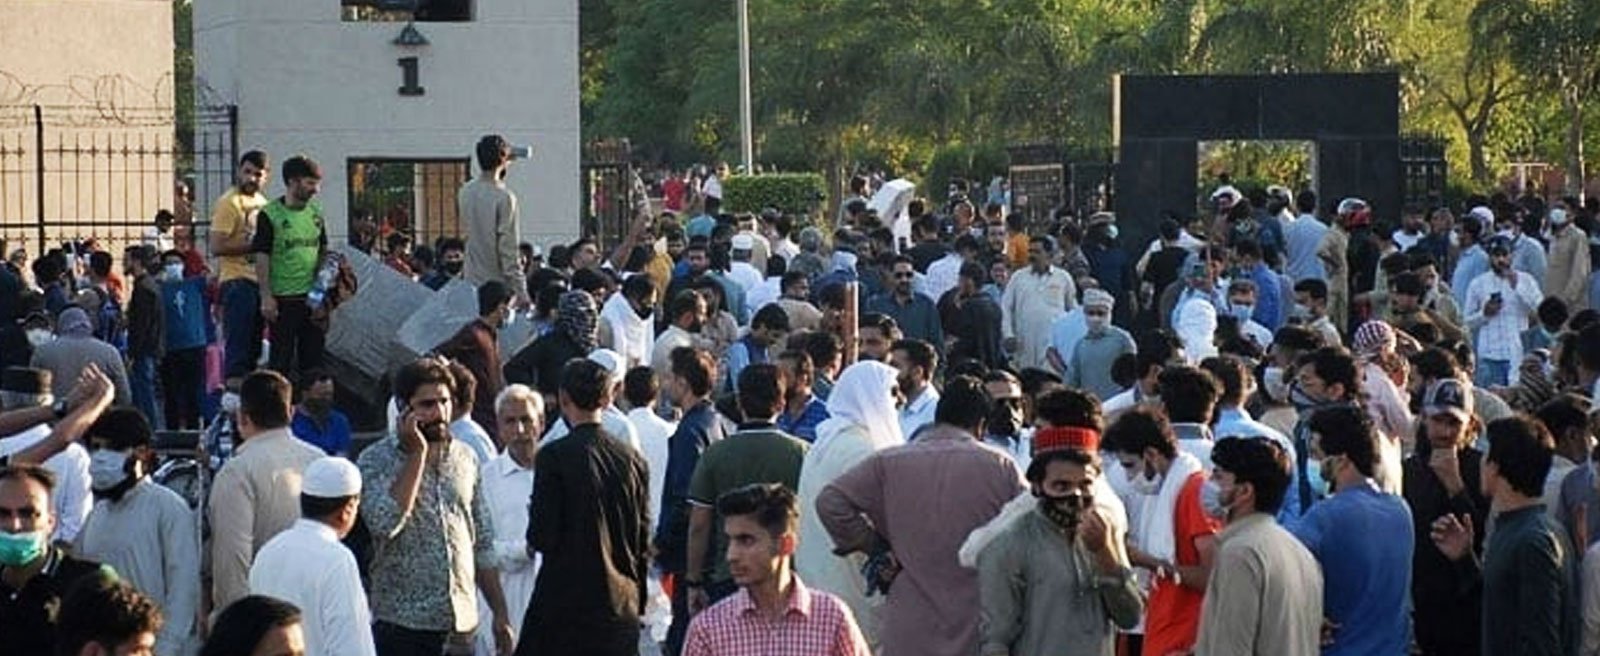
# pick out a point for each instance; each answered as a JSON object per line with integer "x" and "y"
{"x": 289, "y": 245}
{"x": 1033, "y": 298}
{"x": 916, "y": 361}
{"x": 143, "y": 530}
{"x": 425, "y": 502}
{"x": 1057, "y": 581}
{"x": 1498, "y": 306}
{"x": 477, "y": 347}
{"x": 915, "y": 313}
{"x": 1442, "y": 480}
{"x": 233, "y": 227}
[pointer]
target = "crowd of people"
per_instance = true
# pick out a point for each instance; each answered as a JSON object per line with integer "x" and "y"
{"x": 1283, "y": 427}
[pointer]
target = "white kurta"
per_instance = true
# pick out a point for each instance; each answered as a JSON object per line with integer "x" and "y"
{"x": 507, "y": 487}
{"x": 149, "y": 538}
{"x": 306, "y": 566}
{"x": 654, "y": 435}
{"x": 815, "y": 561}
{"x": 71, "y": 468}
{"x": 1031, "y": 302}
{"x": 632, "y": 337}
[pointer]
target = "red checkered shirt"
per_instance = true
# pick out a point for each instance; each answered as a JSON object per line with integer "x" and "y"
{"x": 814, "y": 624}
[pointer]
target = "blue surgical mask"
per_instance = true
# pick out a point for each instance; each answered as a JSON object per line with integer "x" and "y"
{"x": 1319, "y": 487}
{"x": 174, "y": 271}
{"x": 1301, "y": 398}
{"x": 19, "y": 549}
{"x": 1241, "y": 311}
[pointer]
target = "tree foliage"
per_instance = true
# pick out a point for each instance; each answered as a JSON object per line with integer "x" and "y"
{"x": 843, "y": 83}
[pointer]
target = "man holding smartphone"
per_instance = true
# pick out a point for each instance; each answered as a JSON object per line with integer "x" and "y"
{"x": 431, "y": 529}
{"x": 1499, "y": 303}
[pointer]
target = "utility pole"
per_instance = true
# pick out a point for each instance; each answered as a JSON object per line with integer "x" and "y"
{"x": 747, "y": 150}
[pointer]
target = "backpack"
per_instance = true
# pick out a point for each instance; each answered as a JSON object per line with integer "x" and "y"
{"x": 109, "y": 326}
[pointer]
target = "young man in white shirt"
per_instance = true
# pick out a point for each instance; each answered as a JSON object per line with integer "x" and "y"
{"x": 1499, "y": 303}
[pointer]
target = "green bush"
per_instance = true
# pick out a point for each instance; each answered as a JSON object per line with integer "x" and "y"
{"x": 793, "y": 193}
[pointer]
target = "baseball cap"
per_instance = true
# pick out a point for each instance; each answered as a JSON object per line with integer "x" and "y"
{"x": 1498, "y": 245}
{"x": 1448, "y": 395}
{"x": 330, "y": 477}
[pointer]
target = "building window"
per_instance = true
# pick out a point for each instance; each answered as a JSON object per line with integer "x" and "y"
{"x": 416, "y": 198}
{"x": 433, "y": 11}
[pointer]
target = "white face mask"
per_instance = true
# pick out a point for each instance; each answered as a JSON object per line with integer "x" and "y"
{"x": 1277, "y": 387}
{"x": 107, "y": 469}
{"x": 1142, "y": 484}
{"x": 173, "y": 271}
{"x": 39, "y": 337}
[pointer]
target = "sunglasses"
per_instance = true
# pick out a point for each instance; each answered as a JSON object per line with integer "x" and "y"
{"x": 902, "y": 276}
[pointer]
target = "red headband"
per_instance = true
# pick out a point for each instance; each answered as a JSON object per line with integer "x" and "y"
{"x": 1056, "y": 438}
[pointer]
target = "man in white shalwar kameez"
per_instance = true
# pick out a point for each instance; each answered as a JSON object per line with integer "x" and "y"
{"x": 142, "y": 530}
{"x": 627, "y": 323}
{"x": 307, "y": 566}
{"x": 1032, "y": 301}
{"x": 507, "y": 482}
{"x": 862, "y": 420}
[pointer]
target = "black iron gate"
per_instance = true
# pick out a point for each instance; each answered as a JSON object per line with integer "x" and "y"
{"x": 102, "y": 172}
{"x": 607, "y": 188}
{"x": 1423, "y": 166}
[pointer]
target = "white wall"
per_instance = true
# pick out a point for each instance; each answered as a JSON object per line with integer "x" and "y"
{"x": 307, "y": 82}
{"x": 103, "y": 71}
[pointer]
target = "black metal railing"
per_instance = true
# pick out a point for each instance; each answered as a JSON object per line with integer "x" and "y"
{"x": 102, "y": 172}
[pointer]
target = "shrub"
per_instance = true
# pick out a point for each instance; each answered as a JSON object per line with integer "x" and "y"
{"x": 793, "y": 193}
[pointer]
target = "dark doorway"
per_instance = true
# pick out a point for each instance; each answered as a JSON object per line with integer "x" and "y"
{"x": 1353, "y": 120}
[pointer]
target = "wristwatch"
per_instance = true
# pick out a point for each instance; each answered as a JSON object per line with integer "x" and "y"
{"x": 60, "y": 408}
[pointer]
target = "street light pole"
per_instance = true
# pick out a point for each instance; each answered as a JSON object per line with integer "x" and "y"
{"x": 747, "y": 150}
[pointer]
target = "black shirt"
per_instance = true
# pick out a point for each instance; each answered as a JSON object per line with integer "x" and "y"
{"x": 28, "y": 616}
{"x": 590, "y": 519}
{"x": 539, "y": 364}
{"x": 1446, "y": 595}
{"x": 924, "y": 254}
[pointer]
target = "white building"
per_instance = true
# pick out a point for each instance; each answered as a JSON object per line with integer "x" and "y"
{"x": 328, "y": 80}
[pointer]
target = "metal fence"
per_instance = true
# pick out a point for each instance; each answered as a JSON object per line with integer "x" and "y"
{"x": 1423, "y": 168}
{"x": 607, "y": 176}
{"x": 102, "y": 172}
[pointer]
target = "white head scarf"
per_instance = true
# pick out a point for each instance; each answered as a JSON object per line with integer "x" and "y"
{"x": 864, "y": 396}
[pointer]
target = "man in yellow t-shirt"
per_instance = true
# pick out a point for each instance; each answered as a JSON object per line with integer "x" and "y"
{"x": 233, "y": 226}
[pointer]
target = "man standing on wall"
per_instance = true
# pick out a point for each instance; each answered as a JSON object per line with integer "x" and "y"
{"x": 233, "y": 227}
{"x": 489, "y": 210}
{"x": 290, "y": 243}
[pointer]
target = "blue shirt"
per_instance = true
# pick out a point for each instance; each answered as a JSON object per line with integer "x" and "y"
{"x": 333, "y": 436}
{"x": 696, "y": 431}
{"x": 185, "y": 304}
{"x": 743, "y": 353}
{"x": 1472, "y": 263}
{"x": 1301, "y": 240}
{"x": 918, "y": 318}
{"x": 1269, "y": 298}
{"x": 1236, "y": 422}
{"x": 804, "y": 425}
{"x": 1364, "y": 542}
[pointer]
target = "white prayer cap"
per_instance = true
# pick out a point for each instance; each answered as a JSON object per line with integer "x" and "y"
{"x": 612, "y": 361}
{"x": 1098, "y": 298}
{"x": 331, "y": 477}
{"x": 743, "y": 242}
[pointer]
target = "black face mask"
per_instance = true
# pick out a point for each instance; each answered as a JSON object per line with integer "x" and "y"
{"x": 452, "y": 268}
{"x": 1064, "y": 511}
